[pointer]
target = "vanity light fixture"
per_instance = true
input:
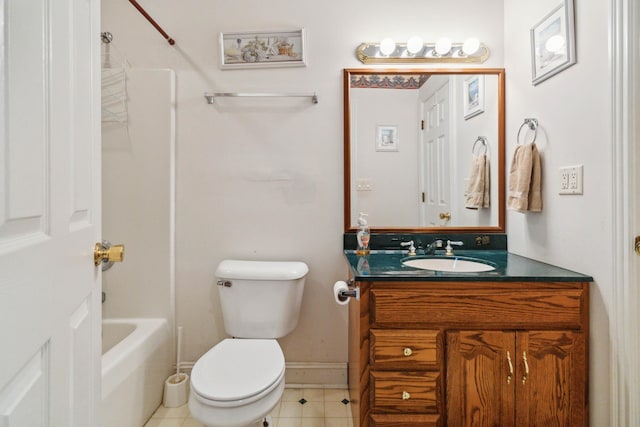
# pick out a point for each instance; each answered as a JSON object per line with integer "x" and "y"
{"x": 415, "y": 50}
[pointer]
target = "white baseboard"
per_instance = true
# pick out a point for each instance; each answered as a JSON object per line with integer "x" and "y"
{"x": 315, "y": 375}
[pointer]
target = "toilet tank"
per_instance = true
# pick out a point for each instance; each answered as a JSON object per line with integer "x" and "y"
{"x": 260, "y": 299}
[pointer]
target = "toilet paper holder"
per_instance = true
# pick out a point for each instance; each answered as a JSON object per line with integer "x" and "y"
{"x": 352, "y": 292}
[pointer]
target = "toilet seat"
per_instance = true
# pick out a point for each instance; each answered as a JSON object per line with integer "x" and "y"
{"x": 237, "y": 371}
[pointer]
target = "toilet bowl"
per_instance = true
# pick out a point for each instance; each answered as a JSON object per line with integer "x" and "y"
{"x": 237, "y": 383}
{"x": 240, "y": 380}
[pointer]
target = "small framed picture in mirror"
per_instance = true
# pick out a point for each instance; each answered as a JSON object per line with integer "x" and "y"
{"x": 473, "y": 93}
{"x": 387, "y": 138}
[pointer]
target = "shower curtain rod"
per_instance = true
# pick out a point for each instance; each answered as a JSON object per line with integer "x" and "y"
{"x": 154, "y": 23}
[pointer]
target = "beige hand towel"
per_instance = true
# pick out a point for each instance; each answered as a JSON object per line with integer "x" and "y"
{"x": 535, "y": 189}
{"x": 525, "y": 180}
{"x": 478, "y": 189}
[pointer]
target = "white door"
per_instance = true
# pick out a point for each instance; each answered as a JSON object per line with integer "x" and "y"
{"x": 49, "y": 213}
{"x": 435, "y": 163}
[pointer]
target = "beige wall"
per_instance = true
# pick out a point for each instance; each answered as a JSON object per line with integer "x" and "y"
{"x": 262, "y": 179}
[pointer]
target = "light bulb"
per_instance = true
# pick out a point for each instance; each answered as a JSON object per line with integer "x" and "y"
{"x": 414, "y": 45}
{"x": 443, "y": 46}
{"x": 387, "y": 46}
{"x": 470, "y": 46}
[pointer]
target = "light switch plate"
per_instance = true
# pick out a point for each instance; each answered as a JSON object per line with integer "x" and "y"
{"x": 363, "y": 184}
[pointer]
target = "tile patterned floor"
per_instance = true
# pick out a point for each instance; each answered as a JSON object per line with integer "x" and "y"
{"x": 297, "y": 408}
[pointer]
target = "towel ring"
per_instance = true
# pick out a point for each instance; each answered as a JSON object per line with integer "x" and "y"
{"x": 483, "y": 141}
{"x": 533, "y": 125}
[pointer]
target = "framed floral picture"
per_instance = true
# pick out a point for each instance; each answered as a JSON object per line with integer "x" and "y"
{"x": 473, "y": 96}
{"x": 262, "y": 49}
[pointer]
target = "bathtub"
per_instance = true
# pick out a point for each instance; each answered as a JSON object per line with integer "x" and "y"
{"x": 136, "y": 360}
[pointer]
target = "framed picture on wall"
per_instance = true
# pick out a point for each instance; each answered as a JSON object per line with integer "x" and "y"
{"x": 262, "y": 49}
{"x": 473, "y": 96}
{"x": 553, "y": 45}
{"x": 387, "y": 138}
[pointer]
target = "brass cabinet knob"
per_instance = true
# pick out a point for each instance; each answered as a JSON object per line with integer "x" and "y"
{"x": 406, "y": 395}
{"x": 407, "y": 351}
{"x": 106, "y": 253}
{"x": 445, "y": 215}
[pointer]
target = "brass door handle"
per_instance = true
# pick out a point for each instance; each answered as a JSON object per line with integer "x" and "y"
{"x": 510, "y": 374}
{"x": 106, "y": 253}
{"x": 445, "y": 215}
{"x": 637, "y": 245}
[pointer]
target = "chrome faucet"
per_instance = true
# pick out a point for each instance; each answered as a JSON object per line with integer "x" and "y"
{"x": 430, "y": 248}
{"x": 449, "y": 249}
{"x": 412, "y": 249}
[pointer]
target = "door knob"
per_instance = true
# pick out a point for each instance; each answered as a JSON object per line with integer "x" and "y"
{"x": 106, "y": 253}
{"x": 445, "y": 215}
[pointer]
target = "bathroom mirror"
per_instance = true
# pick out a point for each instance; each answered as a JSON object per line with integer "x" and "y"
{"x": 410, "y": 136}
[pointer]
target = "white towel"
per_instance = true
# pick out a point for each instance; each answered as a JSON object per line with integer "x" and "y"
{"x": 479, "y": 183}
{"x": 525, "y": 189}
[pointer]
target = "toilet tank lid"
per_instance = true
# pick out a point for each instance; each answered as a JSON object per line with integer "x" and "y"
{"x": 261, "y": 270}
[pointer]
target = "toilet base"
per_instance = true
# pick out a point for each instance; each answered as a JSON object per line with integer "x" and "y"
{"x": 265, "y": 422}
{"x": 237, "y": 416}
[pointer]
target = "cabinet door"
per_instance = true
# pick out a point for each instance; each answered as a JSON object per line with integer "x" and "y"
{"x": 551, "y": 379}
{"x": 480, "y": 378}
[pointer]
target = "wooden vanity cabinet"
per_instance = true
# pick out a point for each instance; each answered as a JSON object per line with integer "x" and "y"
{"x": 469, "y": 353}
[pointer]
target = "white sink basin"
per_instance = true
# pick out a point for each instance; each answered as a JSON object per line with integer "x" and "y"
{"x": 452, "y": 264}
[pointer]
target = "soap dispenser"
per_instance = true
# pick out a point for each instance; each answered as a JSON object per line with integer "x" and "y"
{"x": 363, "y": 235}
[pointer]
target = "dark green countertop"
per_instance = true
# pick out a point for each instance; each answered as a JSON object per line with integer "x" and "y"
{"x": 387, "y": 265}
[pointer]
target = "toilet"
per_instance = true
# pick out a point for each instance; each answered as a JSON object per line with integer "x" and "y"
{"x": 241, "y": 379}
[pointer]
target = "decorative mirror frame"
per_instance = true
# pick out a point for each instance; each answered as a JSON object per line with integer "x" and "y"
{"x": 501, "y": 184}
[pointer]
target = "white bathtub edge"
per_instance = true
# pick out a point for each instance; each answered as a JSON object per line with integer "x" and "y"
{"x": 131, "y": 353}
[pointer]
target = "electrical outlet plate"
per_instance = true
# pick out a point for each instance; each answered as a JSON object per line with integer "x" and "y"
{"x": 571, "y": 180}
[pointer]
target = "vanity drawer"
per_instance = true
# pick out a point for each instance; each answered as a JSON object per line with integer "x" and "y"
{"x": 405, "y": 392}
{"x": 482, "y": 308}
{"x": 383, "y": 420}
{"x": 406, "y": 349}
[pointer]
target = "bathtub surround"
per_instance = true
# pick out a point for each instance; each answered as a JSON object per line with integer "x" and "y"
{"x": 261, "y": 178}
{"x": 138, "y": 198}
{"x": 138, "y": 205}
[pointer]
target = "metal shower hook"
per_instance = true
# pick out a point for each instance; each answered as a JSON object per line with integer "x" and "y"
{"x": 533, "y": 125}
